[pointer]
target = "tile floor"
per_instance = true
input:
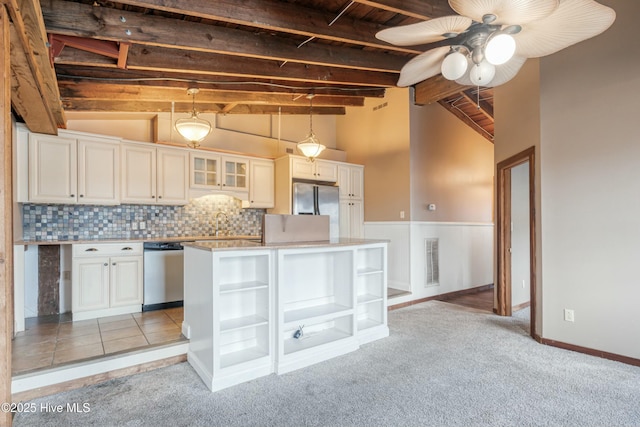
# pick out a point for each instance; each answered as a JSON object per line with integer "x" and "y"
{"x": 46, "y": 344}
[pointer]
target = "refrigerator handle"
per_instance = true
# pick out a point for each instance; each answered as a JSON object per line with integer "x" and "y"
{"x": 316, "y": 210}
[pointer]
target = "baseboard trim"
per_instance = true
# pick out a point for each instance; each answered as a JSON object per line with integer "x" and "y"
{"x": 95, "y": 379}
{"x": 521, "y": 306}
{"x": 442, "y": 297}
{"x": 590, "y": 351}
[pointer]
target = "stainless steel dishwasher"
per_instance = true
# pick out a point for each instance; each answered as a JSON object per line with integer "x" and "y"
{"x": 163, "y": 275}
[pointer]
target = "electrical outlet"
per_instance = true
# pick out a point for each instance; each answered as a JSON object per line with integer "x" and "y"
{"x": 524, "y": 284}
{"x": 66, "y": 275}
{"x": 401, "y": 214}
{"x": 568, "y": 315}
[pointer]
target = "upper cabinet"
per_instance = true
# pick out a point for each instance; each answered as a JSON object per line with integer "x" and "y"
{"x": 318, "y": 170}
{"x": 73, "y": 169}
{"x": 261, "y": 190}
{"x": 351, "y": 181}
{"x": 153, "y": 175}
{"x": 211, "y": 171}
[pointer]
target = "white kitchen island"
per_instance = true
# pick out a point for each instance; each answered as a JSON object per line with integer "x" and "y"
{"x": 252, "y": 309}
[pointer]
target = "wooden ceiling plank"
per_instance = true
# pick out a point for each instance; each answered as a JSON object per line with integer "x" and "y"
{"x": 123, "y": 54}
{"x": 185, "y": 107}
{"x": 71, "y": 73}
{"x": 76, "y": 19}
{"x": 106, "y": 91}
{"x": 26, "y": 17}
{"x": 227, "y": 108}
{"x": 275, "y": 15}
{"x": 171, "y": 60}
{"x": 473, "y": 125}
{"x": 435, "y": 89}
{"x": 483, "y": 106}
{"x": 100, "y": 47}
{"x": 420, "y": 9}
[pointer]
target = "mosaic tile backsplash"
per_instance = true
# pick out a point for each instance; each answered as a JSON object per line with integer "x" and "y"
{"x": 84, "y": 222}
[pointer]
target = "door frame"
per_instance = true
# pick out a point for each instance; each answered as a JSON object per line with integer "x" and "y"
{"x": 503, "y": 238}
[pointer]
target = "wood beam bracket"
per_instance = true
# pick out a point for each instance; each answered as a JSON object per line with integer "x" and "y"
{"x": 110, "y": 49}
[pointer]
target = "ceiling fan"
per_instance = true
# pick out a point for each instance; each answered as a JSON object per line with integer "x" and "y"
{"x": 488, "y": 42}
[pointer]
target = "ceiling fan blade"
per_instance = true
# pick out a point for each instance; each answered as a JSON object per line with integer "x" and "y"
{"x": 424, "y": 32}
{"x": 504, "y": 73}
{"x": 573, "y": 22}
{"x": 422, "y": 67}
{"x": 507, "y": 12}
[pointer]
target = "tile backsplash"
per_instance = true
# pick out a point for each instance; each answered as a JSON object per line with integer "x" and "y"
{"x": 86, "y": 222}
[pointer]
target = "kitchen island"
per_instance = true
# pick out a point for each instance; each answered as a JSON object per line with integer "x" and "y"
{"x": 251, "y": 309}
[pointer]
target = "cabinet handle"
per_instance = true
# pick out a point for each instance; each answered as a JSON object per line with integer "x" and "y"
{"x": 73, "y": 195}
{"x": 90, "y": 250}
{"x": 82, "y": 195}
{"x": 159, "y": 197}
{"x": 106, "y": 264}
{"x": 127, "y": 249}
{"x": 113, "y": 263}
{"x": 153, "y": 197}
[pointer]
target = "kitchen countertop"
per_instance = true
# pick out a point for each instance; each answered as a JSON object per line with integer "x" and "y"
{"x": 235, "y": 245}
{"x": 141, "y": 240}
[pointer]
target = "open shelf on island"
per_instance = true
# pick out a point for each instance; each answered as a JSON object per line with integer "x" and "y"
{"x": 369, "y": 270}
{"x": 319, "y": 334}
{"x": 242, "y": 286}
{"x": 368, "y": 298}
{"x": 368, "y": 323}
{"x": 370, "y": 314}
{"x": 242, "y": 322}
{"x": 242, "y": 356}
{"x": 316, "y": 313}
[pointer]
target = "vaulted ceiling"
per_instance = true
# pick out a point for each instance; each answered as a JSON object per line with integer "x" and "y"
{"x": 245, "y": 56}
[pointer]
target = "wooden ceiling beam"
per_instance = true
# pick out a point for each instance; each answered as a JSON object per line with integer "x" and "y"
{"x": 31, "y": 37}
{"x": 116, "y": 92}
{"x": 71, "y": 73}
{"x": 435, "y": 89}
{"x": 77, "y": 19}
{"x": 89, "y": 105}
{"x": 173, "y": 60}
{"x": 467, "y": 120}
{"x": 274, "y": 15}
{"x": 419, "y": 9}
{"x": 485, "y": 107}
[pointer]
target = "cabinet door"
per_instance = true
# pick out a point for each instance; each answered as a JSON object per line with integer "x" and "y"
{"x": 344, "y": 181}
{"x": 356, "y": 226}
{"x": 236, "y": 174}
{"x": 173, "y": 176}
{"x": 98, "y": 172}
{"x": 138, "y": 177}
{"x": 126, "y": 281}
{"x": 262, "y": 186}
{"x": 205, "y": 171}
{"x": 345, "y": 217}
{"x": 356, "y": 179}
{"x": 302, "y": 168}
{"x": 52, "y": 169}
{"x": 90, "y": 284}
{"x": 326, "y": 171}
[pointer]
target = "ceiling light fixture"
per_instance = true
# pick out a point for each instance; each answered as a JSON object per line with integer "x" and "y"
{"x": 310, "y": 147}
{"x": 193, "y": 129}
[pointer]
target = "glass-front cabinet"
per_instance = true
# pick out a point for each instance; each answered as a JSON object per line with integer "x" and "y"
{"x": 214, "y": 172}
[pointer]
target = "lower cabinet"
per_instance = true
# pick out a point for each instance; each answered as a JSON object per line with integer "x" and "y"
{"x": 106, "y": 280}
{"x": 351, "y": 219}
{"x": 252, "y": 312}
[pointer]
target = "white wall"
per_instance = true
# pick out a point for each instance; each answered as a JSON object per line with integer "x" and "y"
{"x": 590, "y": 188}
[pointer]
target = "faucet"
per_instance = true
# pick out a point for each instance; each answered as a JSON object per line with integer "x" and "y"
{"x": 218, "y": 214}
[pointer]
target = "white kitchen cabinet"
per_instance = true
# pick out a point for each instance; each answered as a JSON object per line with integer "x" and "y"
{"x": 316, "y": 306}
{"x": 216, "y": 172}
{"x": 107, "y": 279}
{"x": 153, "y": 175}
{"x": 351, "y": 219}
{"x": 351, "y": 181}
{"x": 228, "y": 307}
{"x": 371, "y": 293}
{"x": 73, "y": 169}
{"x": 261, "y": 187}
{"x": 318, "y": 170}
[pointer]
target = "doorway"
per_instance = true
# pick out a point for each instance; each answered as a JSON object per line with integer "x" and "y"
{"x": 515, "y": 189}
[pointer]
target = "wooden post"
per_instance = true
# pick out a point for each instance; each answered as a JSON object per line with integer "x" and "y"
{"x": 6, "y": 221}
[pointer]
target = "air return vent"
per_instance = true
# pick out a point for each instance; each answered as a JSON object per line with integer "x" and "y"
{"x": 432, "y": 269}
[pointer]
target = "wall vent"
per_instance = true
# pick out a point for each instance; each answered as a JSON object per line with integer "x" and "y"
{"x": 432, "y": 268}
{"x": 377, "y": 107}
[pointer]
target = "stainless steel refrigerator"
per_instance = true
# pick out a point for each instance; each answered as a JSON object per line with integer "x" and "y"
{"x": 317, "y": 199}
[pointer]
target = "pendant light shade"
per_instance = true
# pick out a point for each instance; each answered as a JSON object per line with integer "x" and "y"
{"x": 310, "y": 147}
{"x": 193, "y": 129}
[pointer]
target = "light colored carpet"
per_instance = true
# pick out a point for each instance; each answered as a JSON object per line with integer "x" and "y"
{"x": 443, "y": 365}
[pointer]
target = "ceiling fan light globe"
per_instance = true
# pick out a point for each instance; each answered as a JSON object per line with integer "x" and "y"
{"x": 482, "y": 73}
{"x": 454, "y": 66}
{"x": 500, "y": 49}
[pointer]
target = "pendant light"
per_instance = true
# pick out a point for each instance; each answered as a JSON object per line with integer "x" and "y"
{"x": 193, "y": 129}
{"x": 310, "y": 147}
